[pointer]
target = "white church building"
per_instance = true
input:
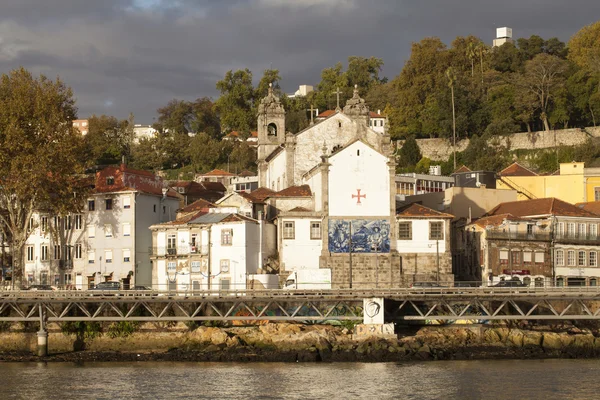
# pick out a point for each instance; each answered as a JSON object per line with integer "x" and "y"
{"x": 334, "y": 202}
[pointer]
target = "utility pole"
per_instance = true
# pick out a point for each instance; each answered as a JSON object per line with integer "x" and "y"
{"x": 350, "y": 252}
{"x": 437, "y": 250}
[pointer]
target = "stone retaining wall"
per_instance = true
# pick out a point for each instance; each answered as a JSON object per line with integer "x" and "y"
{"x": 441, "y": 149}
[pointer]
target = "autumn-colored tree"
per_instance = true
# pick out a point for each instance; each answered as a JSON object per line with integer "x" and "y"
{"x": 40, "y": 155}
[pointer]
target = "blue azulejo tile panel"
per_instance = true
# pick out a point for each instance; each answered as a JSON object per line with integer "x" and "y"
{"x": 359, "y": 236}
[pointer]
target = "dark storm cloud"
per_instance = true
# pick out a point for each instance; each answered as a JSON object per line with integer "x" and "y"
{"x": 136, "y": 55}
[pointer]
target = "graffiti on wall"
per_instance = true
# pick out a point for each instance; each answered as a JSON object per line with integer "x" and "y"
{"x": 359, "y": 236}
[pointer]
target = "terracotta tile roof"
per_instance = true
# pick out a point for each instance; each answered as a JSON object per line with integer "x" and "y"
{"x": 249, "y": 197}
{"x": 124, "y": 179}
{"x": 516, "y": 169}
{"x": 462, "y": 168}
{"x": 198, "y": 205}
{"x": 246, "y": 173}
{"x": 261, "y": 193}
{"x": 591, "y": 206}
{"x": 294, "y": 191}
{"x": 326, "y": 113}
{"x": 496, "y": 220}
{"x": 547, "y": 206}
{"x": 300, "y": 209}
{"x": 418, "y": 210}
{"x": 198, "y": 188}
{"x": 374, "y": 115}
{"x": 218, "y": 172}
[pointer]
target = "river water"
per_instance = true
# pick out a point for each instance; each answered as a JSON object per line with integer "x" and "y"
{"x": 531, "y": 379}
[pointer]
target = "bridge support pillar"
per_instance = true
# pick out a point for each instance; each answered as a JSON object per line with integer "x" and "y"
{"x": 373, "y": 320}
{"x": 42, "y": 343}
{"x": 42, "y": 335}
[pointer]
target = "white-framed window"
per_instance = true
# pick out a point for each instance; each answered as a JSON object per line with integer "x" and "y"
{"x": 195, "y": 266}
{"x": 225, "y": 284}
{"x": 289, "y": 229}
{"x": 593, "y": 259}
{"x": 315, "y": 230}
{"x": 56, "y": 252}
{"x": 30, "y": 253}
{"x": 226, "y": 237}
{"x": 108, "y": 256}
{"x": 68, "y": 279}
{"x": 91, "y": 231}
{"x": 436, "y": 231}
{"x": 78, "y": 251}
{"x": 597, "y": 194}
{"x": 560, "y": 258}
{"x": 91, "y": 205}
{"x": 126, "y": 255}
{"x": 581, "y": 259}
{"x": 539, "y": 257}
{"x": 405, "y": 230}
{"x": 44, "y": 223}
{"x": 171, "y": 266}
{"x": 224, "y": 266}
{"x": 126, "y": 229}
{"x": 78, "y": 221}
{"x": 108, "y": 232}
{"x": 91, "y": 257}
{"x": 560, "y": 229}
{"x": 30, "y": 224}
{"x": 68, "y": 222}
{"x": 503, "y": 256}
{"x": 126, "y": 202}
{"x": 593, "y": 231}
{"x": 571, "y": 258}
{"x": 571, "y": 229}
{"x": 68, "y": 252}
{"x": 527, "y": 256}
{"x": 581, "y": 230}
{"x": 171, "y": 241}
{"x": 44, "y": 252}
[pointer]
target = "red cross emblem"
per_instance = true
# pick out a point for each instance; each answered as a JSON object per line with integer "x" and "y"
{"x": 358, "y": 196}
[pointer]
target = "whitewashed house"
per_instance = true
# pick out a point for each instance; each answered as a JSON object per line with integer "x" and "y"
{"x": 209, "y": 251}
{"x": 123, "y": 206}
{"x": 424, "y": 241}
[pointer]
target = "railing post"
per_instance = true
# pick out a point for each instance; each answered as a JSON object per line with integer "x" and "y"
{"x": 42, "y": 335}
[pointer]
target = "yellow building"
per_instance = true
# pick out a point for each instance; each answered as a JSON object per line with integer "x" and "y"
{"x": 574, "y": 183}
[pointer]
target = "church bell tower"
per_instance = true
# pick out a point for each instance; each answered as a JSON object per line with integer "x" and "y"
{"x": 271, "y": 131}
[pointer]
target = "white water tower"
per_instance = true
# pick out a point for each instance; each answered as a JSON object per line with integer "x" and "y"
{"x": 503, "y": 35}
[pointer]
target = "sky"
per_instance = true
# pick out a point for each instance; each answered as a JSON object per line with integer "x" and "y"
{"x": 122, "y": 56}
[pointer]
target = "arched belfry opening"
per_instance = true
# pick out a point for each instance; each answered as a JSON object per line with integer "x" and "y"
{"x": 272, "y": 129}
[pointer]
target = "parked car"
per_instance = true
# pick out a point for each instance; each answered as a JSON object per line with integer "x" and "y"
{"x": 40, "y": 287}
{"x": 418, "y": 285}
{"x": 107, "y": 286}
{"x": 514, "y": 282}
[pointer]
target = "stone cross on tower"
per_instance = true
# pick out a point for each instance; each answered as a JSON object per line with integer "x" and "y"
{"x": 337, "y": 92}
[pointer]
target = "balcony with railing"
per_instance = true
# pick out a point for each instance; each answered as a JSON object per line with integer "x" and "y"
{"x": 519, "y": 236}
{"x": 577, "y": 238}
{"x": 180, "y": 250}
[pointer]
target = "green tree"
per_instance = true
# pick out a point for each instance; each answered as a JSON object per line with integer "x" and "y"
{"x": 41, "y": 155}
{"x": 109, "y": 139}
{"x": 205, "y": 118}
{"x": 235, "y": 106}
{"x": 270, "y": 77}
{"x": 176, "y": 117}
{"x": 451, "y": 76}
{"x": 204, "y": 152}
{"x": 410, "y": 154}
{"x": 148, "y": 154}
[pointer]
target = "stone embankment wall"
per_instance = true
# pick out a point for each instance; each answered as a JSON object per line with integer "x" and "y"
{"x": 441, "y": 149}
{"x": 296, "y": 342}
